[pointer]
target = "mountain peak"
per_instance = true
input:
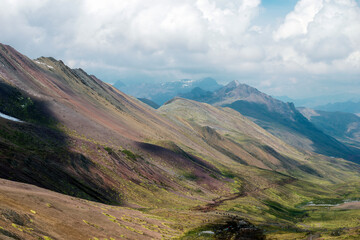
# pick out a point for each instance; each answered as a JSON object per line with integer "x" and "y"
{"x": 233, "y": 84}
{"x": 237, "y": 89}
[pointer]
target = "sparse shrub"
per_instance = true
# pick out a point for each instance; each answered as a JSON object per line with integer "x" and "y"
{"x": 228, "y": 174}
{"x": 109, "y": 150}
{"x": 91, "y": 224}
{"x": 129, "y": 154}
{"x": 213, "y": 176}
{"x": 190, "y": 176}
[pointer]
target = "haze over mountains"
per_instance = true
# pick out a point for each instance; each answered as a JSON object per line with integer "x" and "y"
{"x": 91, "y": 162}
{"x": 163, "y": 92}
{"x": 319, "y": 102}
{"x": 347, "y": 107}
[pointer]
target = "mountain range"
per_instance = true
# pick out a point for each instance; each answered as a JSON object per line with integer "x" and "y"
{"x": 347, "y": 107}
{"x": 280, "y": 118}
{"x": 343, "y": 126}
{"x": 87, "y": 161}
{"x": 163, "y": 92}
{"x": 317, "y": 102}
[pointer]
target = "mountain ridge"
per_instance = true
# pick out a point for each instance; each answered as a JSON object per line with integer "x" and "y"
{"x": 163, "y": 92}
{"x": 281, "y": 119}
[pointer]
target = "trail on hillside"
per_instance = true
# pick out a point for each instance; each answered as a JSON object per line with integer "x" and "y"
{"x": 220, "y": 200}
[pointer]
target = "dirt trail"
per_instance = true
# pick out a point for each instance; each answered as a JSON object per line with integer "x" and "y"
{"x": 218, "y": 201}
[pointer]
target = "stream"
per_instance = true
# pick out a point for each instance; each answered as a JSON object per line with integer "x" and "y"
{"x": 312, "y": 204}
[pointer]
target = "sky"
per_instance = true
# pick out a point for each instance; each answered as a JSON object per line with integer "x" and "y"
{"x": 297, "y": 48}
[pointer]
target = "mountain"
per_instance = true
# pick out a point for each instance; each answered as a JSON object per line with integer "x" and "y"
{"x": 149, "y": 102}
{"x": 163, "y": 92}
{"x": 235, "y": 136}
{"x": 348, "y": 107}
{"x": 197, "y": 94}
{"x": 80, "y": 134}
{"x": 119, "y": 84}
{"x": 87, "y": 161}
{"x": 281, "y": 119}
{"x": 343, "y": 126}
{"x": 284, "y": 99}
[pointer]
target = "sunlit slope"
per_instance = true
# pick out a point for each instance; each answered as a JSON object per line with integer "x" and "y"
{"x": 236, "y": 136}
{"x": 68, "y": 113}
{"x": 81, "y": 101}
{"x": 281, "y": 119}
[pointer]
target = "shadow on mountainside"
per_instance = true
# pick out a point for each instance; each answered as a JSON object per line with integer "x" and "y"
{"x": 321, "y": 142}
{"x": 38, "y": 153}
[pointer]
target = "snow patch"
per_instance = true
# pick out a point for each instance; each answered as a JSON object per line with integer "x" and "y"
{"x": 207, "y": 232}
{"x": 41, "y": 63}
{"x": 9, "y": 117}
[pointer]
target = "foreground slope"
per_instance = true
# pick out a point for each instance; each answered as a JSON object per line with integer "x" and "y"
{"x": 91, "y": 133}
{"x": 44, "y": 214}
{"x": 81, "y": 137}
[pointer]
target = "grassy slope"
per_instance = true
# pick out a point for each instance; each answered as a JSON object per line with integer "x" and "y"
{"x": 229, "y": 130}
{"x": 273, "y": 207}
{"x": 112, "y": 145}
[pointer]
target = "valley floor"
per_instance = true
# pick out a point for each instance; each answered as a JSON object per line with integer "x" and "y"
{"x": 30, "y": 212}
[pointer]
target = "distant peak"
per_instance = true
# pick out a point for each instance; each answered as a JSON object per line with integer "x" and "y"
{"x": 233, "y": 84}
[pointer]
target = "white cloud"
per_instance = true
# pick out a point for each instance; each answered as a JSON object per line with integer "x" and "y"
{"x": 320, "y": 35}
{"x": 296, "y": 23}
{"x": 168, "y": 39}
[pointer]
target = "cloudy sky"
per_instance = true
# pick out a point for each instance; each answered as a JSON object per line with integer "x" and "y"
{"x": 296, "y": 48}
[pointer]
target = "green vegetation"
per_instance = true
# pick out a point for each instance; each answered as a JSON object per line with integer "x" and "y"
{"x": 283, "y": 212}
{"x": 190, "y": 176}
{"x": 22, "y": 228}
{"x": 109, "y": 150}
{"x": 129, "y": 154}
{"x": 91, "y": 224}
{"x": 228, "y": 174}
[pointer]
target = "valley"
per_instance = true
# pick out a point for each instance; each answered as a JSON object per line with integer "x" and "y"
{"x": 90, "y": 162}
